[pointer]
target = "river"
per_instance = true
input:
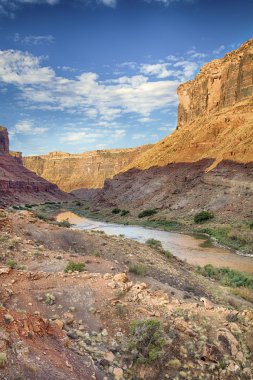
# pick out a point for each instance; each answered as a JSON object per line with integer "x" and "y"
{"x": 185, "y": 247}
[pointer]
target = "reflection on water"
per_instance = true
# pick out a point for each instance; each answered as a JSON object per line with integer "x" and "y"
{"x": 186, "y": 247}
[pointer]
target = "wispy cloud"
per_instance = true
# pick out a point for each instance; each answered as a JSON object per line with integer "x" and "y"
{"x": 33, "y": 40}
{"x": 219, "y": 49}
{"x": 40, "y": 87}
{"x": 9, "y": 7}
{"x": 27, "y": 127}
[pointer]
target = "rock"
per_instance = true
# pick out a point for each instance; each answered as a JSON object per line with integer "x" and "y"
{"x": 68, "y": 318}
{"x": 207, "y": 304}
{"x": 8, "y": 318}
{"x": 4, "y": 270}
{"x": 104, "y": 333}
{"x": 118, "y": 373}
{"x": 227, "y": 342}
{"x": 72, "y": 334}
{"x": 109, "y": 356}
{"x": 121, "y": 277}
{"x": 59, "y": 323}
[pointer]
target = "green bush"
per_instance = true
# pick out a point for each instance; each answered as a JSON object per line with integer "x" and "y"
{"x": 11, "y": 263}
{"x": 124, "y": 212}
{"x": 116, "y": 210}
{"x": 147, "y": 340}
{"x": 145, "y": 213}
{"x": 251, "y": 225}
{"x": 42, "y": 216}
{"x": 64, "y": 223}
{"x": 203, "y": 216}
{"x": 227, "y": 276}
{"x": 74, "y": 267}
{"x": 153, "y": 243}
{"x": 168, "y": 254}
{"x": 138, "y": 269}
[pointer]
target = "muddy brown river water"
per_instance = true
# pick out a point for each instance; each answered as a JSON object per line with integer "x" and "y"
{"x": 186, "y": 247}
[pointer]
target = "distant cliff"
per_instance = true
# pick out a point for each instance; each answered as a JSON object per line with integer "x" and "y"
{"x": 20, "y": 185}
{"x": 85, "y": 170}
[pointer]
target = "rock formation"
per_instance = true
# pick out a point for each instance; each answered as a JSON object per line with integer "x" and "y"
{"x": 215, "y": 116}
{"x": 208, "y": 161}
{"x": 85, "y": 170}
{"x": 18, "y": 184}
{"x": 4, "y": 141}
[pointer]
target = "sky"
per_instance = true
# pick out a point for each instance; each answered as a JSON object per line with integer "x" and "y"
{"x": 80, "y": 75}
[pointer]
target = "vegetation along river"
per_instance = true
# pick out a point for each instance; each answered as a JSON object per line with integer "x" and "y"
{"x": 185, "y": 247}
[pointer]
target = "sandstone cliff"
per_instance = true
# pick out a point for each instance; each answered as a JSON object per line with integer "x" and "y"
{"x": 20, "y": 185}
{"x": 207, "y": 163}
{"x": 215, "y": 118}
{"x": 86, "y": 170}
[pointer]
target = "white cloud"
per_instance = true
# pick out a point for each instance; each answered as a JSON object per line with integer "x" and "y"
{"x": 33, "y": 40}
{"x": 109, "y": 3}
{"x": 160, "y": 70}
{"x": 22, "y": 68}
{"x": 41, "y": 88}
{"x": 27, "y": 127}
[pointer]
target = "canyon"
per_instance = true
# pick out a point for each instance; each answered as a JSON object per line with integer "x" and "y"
{"x": 20, "y": 185}
{"x": 206, "y": 163}
{"x": 86, "y": 170}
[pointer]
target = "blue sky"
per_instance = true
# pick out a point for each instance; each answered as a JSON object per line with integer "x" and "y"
{"x": 93, "y": 74}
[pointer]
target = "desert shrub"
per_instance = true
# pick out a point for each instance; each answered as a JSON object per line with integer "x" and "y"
{"x": 11, "y": 263}
{"x": 163, "y": 224}
{"x": 116, "y": 210}
{"x": 251, "y": 225}
{"x": 153, "y": 243}
{"x": 168, "y": 254}
{"x": 145, "y": 213}
{"x": 64, "y": 223}
{"x": 124, "y": 212}
{"x": 74, "y": 267}
{"x": 227, "y": 276}
{"x": 42, "y": 216}
{"x": 147, "y": 340}
{"x": 203, "y": 216}
{"x": 50, "y": 299}
{"x": 138, "y": 269}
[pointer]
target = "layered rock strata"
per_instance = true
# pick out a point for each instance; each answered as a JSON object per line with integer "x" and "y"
{"x": 85, "y": 170}
{"x": 20, "y": 185}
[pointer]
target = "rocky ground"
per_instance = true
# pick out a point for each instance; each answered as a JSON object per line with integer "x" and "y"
{"x": 77, "y": 325}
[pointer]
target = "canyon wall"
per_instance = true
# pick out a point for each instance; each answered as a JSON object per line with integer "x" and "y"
{"x": 207, "y": 163}
{"x": 20, "y": 185}
{"x": 215, "y": 115}
{"x": 220, "y": 84}
{"x": 85, "y": 170}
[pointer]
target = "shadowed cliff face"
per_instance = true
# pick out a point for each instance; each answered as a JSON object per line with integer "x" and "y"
{"x": 4, "y": 141}
{"x": 19, "y": 185}
{"x": 86, "y": 170}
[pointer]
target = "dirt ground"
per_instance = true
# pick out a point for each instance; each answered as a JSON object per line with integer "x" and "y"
{"x": 57, "y": 325}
